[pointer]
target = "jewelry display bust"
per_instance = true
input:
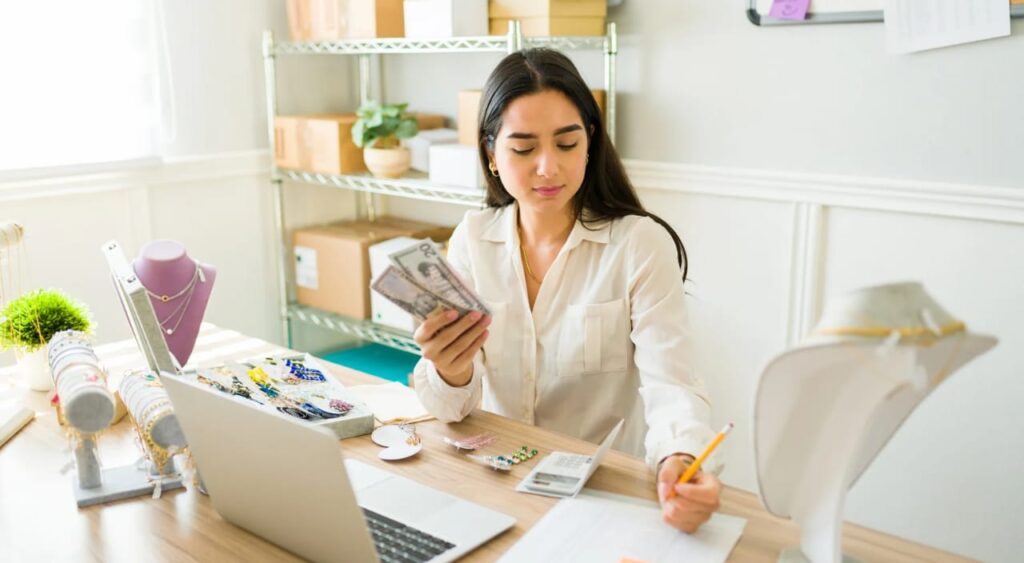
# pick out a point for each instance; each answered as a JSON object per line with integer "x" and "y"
{"x": 179, "y": 288}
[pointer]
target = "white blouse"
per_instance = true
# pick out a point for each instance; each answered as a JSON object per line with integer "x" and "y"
{"x": 608, "y": 337}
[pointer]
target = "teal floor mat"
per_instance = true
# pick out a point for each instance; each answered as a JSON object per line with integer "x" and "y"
{"x": 375, "y": 359}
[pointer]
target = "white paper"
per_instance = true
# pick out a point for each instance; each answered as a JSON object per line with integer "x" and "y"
{"x": 390, "y": 402}
{"x": 603, "y": 527}
{"x": 917, "y": 25}
{"x": 305, "y": 268}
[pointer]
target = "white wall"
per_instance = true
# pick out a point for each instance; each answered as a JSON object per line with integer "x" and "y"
{"x": 746, "y": 120}
{"x": 762, "y": 147}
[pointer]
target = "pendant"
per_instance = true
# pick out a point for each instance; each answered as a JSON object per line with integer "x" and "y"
{"x": 165, "y": 298}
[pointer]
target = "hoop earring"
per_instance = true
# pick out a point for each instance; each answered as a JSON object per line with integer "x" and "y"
{"x": 493, "y": 169}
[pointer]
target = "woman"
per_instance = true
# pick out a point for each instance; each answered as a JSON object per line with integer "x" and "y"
{"x": 584, "y": 285}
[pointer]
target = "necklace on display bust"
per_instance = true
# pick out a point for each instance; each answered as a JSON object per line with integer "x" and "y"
{"x": 197, "y": 277}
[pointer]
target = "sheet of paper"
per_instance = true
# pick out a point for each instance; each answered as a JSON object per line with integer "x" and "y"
{"x": 603, "y": 527}
{"x": 789, "y": 9}
{"x": 917, "y": 25}
{"x": 391, "y": 402}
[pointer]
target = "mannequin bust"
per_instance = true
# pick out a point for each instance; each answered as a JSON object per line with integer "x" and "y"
{"x": 179, "y": 288}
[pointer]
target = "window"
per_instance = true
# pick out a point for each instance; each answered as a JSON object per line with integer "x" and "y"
{"x": 78, "y": 83}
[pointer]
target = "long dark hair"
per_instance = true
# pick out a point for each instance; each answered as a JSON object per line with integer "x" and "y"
{"x": 606, "y": 192}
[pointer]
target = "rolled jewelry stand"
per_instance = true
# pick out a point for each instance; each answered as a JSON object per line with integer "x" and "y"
{"x": 87, "y": 407}
{"x": 156, "y": 425}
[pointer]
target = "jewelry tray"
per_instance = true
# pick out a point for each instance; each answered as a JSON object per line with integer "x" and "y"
{"x": 357, "y": 421}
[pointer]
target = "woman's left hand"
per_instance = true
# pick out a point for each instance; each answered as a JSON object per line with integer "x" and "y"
{"x": 693, "y": 503}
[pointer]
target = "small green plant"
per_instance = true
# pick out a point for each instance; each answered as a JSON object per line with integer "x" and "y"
{"x": 381, "y": 126}
{"x": 31, "y": 320}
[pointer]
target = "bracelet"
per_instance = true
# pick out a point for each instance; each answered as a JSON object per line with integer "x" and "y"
{"x": 664, "y": 459}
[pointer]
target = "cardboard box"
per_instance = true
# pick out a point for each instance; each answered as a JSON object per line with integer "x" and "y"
{"x": 427, "y": 121}
{"x": 469, "y": 110}
{"x": 518, "y": 9}
{"x": 299, "y": 19}
{"x": 327, "y": 145}
{"x": 355, "y": 19}
{"x": 332, "y": 270}
{"x": 416, "y": 229}
{"x": 420, "y": 145}
{"x": 328, "y": 19}
{"x": 383, "y": 311}
{"x": 288, "y": 142}
{"x": 467, "y": 116}
{"x": 550, "y": 27}
{"x": 375, "y": 18}
{"x": 457, "y": 166}
{"x": 428, "y": 19}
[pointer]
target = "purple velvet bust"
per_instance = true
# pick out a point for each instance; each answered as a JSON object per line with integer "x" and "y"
{"x": 179, "y": 288}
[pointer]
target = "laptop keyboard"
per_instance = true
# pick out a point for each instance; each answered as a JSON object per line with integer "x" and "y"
{"x": 399, "y": 543}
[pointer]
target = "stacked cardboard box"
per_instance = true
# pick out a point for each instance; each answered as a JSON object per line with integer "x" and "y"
{"x": 332, "y": 264}
{"x": 327, "y": 20}
{"x": 549, "y": 17}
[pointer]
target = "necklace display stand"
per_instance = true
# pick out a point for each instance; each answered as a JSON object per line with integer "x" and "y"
{"x": 826, "y": 407}
{"x": 179, "y": 288}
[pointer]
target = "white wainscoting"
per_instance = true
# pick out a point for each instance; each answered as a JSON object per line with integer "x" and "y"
{"x": 766, "y": 251}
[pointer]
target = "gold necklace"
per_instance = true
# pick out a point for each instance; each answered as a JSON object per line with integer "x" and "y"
{"x": 526, "y": 261}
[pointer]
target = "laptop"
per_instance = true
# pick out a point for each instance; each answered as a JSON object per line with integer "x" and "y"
{"x": 287, "y": 481}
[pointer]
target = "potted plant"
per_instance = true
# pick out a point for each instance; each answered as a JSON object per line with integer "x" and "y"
{"x": 27, "y": 324}
{"x": 378, "y": 130}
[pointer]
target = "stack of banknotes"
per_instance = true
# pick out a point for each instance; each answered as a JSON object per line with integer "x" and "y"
{"x": 421, "y": 282}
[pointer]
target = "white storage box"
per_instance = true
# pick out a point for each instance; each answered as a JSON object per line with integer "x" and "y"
{"x": 357, "y": 419}
{"x": 429, "y": 19}
{"x": 420, "y": 145}
{"x": 383, "y": 311}
{"x": 457, "y": 166}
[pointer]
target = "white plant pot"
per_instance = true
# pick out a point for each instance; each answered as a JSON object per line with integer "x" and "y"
{"x": 387, "y": 163}
{"x": 34, "y": 367}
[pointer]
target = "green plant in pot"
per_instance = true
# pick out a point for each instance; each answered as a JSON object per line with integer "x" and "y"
{"x": 27, "y": 324}
{"x": 378, "y": 131}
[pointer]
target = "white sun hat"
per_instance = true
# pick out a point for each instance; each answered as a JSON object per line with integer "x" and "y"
{"x": 825, "y": 408}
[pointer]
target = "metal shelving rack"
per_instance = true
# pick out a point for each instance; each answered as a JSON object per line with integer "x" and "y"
{"x": 413, "y": 186}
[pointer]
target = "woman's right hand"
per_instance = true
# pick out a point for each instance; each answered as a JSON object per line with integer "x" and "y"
{"x": 452, "y": 342}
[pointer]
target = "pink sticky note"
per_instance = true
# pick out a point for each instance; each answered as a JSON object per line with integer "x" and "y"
{"x": 789, "y": 9}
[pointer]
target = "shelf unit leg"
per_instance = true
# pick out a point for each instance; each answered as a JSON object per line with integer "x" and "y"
{"x": 611, "y": 51}
{"x": 281, "y": 246}
{"x": 515, "y": 37}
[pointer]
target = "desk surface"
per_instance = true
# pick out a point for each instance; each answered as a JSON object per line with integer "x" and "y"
{"x": 39, "y": 520}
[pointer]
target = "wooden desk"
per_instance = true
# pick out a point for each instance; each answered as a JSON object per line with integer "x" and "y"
{"x": 40, "y": 522}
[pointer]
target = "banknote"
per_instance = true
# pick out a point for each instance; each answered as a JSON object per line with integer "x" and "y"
{"x": 412, "y": 298}
{"x": 425, "y": 265}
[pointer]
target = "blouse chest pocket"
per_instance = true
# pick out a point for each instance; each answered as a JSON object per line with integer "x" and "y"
{"x": 496, "y": 339}
{"x": 594, "y": 339}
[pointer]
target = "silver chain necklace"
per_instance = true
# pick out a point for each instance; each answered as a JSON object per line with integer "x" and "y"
{"x": 189, "y": 290}
{"x": 198, "y": 275}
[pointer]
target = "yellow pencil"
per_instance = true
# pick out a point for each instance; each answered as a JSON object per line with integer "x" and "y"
{"x": 695, "y": 466}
